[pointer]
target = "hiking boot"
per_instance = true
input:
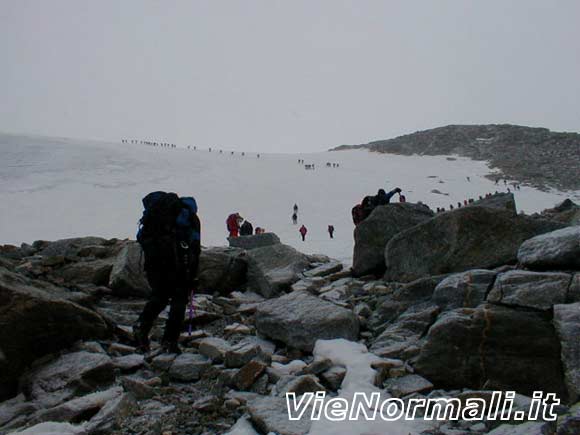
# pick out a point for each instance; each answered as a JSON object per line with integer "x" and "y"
{"x": 171, "y": 347}
{"x": 141, "y": 339}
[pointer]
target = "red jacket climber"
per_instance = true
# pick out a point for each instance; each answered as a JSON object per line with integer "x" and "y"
{"x": 303, "y": 232}
{"x": 233, "y": 224}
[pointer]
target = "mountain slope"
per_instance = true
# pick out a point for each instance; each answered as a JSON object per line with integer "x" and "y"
{"x": 536, "y": 156}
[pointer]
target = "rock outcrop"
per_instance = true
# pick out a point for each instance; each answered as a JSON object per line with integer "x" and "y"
{"x": 466, "y": 238}
{"x": 37, "y": 319}
{"x": 372, "y": 235}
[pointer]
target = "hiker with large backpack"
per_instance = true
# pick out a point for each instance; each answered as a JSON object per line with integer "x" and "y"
{"x": 169, "y": 236}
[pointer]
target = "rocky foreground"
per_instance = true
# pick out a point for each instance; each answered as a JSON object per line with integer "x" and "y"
{"x": 450, "y": 305}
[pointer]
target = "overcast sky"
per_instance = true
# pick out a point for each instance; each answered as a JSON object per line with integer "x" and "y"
{"x": 285, "y": 76}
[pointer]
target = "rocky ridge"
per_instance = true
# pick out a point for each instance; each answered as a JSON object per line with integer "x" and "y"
{"x": 536, "y": 156}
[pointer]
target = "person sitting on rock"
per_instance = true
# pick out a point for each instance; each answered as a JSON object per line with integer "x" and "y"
{"x": 383, "y": 198}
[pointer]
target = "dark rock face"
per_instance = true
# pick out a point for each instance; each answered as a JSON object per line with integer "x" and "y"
{"x": 372, "y": 234}
{"x": 252, "y": 242}
{"x": 495, "y": 346}
{"x": 36, "y": 319}
{"x": 558, "y": 249}
{"x": 222, "y": 270}
{"x": 273, "y": 269}
{"x": 467, "y": 238}
{"x": 299, "y": 319}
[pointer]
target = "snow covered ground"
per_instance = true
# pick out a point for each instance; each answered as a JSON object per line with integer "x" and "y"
{"x": 54, "y": 188}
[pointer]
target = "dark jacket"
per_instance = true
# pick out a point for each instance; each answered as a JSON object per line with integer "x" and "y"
{"x": 383, "y": 198}
{"x": 246, "y": 229}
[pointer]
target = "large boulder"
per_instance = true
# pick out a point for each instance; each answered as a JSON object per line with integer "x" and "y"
{"x": 463, "y": 290}
{"x": 253, "y": 242}
{"x": 128, "y": 276}
{"x": 222, "y": 270}
{"x": 567, "y": 323}
{"x": 299, "y": 319}
{"x": 37, "y": 319}
{"x": 496, "y": 347}
{"x": 466, "y": 238}
{"x": 558, "y": 249}
{"x": 538, "y": 290}
{"x": 273, "y": 269}
{"x": 372, "y": 234}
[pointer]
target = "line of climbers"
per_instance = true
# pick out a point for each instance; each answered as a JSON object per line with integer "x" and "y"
{"x": 469, "y": 201}
{"x": 149, "y": 142}
{"x": 171, "y": 145}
